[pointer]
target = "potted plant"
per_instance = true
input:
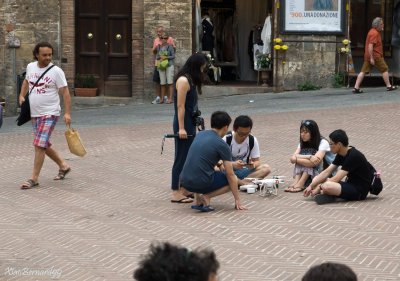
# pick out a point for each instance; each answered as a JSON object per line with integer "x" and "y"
{"x": 85, "y": 85}
{"x": 264, "y": 61}
{"x": 264, "y": 67}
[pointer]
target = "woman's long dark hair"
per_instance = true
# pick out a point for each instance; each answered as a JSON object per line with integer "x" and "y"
{"x": 312, "y": 127}
{"x": 192, "y": 70}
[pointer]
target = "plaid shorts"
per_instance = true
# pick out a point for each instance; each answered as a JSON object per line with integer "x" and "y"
{"x": 42, "y": 128}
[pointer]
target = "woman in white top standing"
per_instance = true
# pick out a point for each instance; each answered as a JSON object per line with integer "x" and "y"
{"x": 308, "y": 156}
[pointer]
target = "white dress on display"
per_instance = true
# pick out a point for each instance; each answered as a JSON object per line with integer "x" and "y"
{"x": 266, "y": 35}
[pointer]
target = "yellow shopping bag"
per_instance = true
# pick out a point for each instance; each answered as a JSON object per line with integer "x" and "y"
{"x": 74, "y": 142}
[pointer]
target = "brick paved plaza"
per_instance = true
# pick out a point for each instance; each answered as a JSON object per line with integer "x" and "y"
{"x": 96, "y": 223}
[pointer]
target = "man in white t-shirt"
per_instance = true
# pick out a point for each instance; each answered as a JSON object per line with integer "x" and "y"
{"x": 45, "y": 109}
{"x": 245, "y": 151}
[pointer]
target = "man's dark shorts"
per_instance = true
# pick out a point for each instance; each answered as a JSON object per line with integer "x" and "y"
{"x": 243, "y": 173}
{"x": 156, "y": 75}
{"x": 219, "y": 180}
{"x": 350, "y": 192}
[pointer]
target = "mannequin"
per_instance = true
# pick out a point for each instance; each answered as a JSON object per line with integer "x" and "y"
{"x": 207, "y": 39}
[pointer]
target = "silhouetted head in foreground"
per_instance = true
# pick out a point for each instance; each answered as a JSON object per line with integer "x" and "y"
{"x": 167, "y": 262}
{"x": 330, "y": 271}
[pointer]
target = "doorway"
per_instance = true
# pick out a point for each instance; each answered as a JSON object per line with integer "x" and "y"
{"x": 103, "y": 44}
{"x": 362, "y": 14}
{"x": 237, "y": 27}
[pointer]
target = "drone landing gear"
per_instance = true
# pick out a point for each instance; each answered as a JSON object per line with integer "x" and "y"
{"x": 267, "y": 189}
{"x": 268, "y": 186}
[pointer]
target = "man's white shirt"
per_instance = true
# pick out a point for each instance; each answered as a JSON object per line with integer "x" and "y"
{"x": 44, "y": 98}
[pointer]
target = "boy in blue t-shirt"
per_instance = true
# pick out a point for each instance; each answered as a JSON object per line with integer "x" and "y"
{"x": 198, "y": 174}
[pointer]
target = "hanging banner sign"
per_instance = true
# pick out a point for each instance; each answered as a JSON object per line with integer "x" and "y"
{"x": 313, "y": 16}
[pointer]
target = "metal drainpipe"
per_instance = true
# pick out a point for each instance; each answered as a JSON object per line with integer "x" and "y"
{"x": 14, "y": 64}
{"x": 59, "y": 40}
{"x": 275, "y": 34}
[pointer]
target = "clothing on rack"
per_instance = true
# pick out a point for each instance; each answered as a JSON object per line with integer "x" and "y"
{"x": 207, "y": 40}
{"x": 254, "y": 44}
{"x": 266, "y": 35}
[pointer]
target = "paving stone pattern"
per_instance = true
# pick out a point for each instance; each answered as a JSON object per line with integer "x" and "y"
{"x": 96, "y": 224}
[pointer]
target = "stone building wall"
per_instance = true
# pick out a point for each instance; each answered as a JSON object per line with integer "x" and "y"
{"x": 309, "y": 59}
{"x": 30, "y": 24}
{"x": 305, "y": 61}
{"x": 176, "y": 17}
{"x": 67, "y": 38}
{"x": 2, "y": 50}
{"x": 53, "y": 21}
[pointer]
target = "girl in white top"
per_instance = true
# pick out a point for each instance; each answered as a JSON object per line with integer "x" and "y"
{"x": 308, "y": 156}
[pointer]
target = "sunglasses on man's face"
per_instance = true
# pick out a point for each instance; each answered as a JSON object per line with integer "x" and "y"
{"x": 165, "y": 38}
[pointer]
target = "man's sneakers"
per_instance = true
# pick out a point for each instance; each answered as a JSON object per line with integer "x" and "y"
{"x": 156, "y": 100}
{"x": 324, "y": 199}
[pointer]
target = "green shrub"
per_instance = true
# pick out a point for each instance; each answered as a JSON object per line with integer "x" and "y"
{"x": 85, "y": 81}
{"x": 307, "y": 86}
{"x": 338, "y": 80}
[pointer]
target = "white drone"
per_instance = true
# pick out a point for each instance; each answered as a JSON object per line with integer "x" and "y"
{"x": 268, "y": 186}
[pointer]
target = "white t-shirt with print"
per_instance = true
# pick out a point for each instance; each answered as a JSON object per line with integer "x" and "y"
{"x": 323, "y": 145}
{"x": 241, "y": 151}
{"x": 44, "y": 98}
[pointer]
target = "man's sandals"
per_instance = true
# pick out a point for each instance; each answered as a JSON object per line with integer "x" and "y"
{"x": 357, "y": 91}
{"x": 29, "y": 184}
{"x": 202, "y": 208}
{"x": 62, "y": 173}
{"x": 202, "y": 205}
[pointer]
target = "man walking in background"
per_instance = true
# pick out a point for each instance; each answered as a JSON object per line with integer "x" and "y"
{"x": 45, "y": 108}
{"x": 373, "y": 56}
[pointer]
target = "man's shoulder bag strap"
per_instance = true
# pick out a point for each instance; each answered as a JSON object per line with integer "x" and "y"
{"x": 41, "y": 76}
{"x": 229, "y": 137}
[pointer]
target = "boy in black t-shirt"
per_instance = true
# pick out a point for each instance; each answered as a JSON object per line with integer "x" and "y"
{"x": 354, "y": 166}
